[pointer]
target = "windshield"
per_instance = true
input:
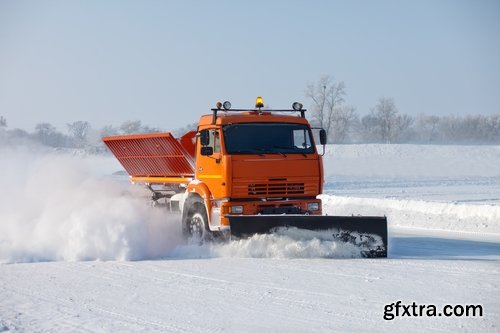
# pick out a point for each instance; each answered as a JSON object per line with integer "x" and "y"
{"x": 267, "y": 138}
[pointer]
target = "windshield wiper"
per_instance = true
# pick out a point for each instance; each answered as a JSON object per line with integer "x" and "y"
{"x": 281, "y": 153}
{"x": 290, "y": 150}
{"x": 270, "y": 151}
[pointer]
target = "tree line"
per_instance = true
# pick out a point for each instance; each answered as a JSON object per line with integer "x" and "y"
{"x": 385, "y": 124}
{"x": 79, "y": 134}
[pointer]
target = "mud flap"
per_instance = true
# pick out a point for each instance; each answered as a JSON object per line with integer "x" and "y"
{"x": 368, "y": 232}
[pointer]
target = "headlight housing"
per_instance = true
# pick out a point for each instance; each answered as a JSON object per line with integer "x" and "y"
{"x": 313, "y": 206}
{"x": 236, "y": 209}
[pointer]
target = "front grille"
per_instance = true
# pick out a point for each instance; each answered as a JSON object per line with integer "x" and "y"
{"x": 283, "y": 209}
{"x": 271, "y": 189}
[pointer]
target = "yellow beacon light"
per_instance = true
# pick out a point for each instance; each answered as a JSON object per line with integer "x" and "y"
{"x": 259, "y": 103}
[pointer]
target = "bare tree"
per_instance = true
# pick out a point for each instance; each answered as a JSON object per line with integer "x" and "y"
{"x": 183, "y": 130}
{"x": 471, "y": 128}
{"x": 43, "y": 132}
{"x": 327, "y": 96}
{"x": 493, "y": 128}
{"x": 148, "y": 129}
{"x": 79, "y": 131}
{"x": 403, "y": 129}
{"x": 47, "y": 134}
{"x": 427, "y": 128}
{"x": 3, "y": 122}
{"x": 108, "y": 130}
{"x": 387, "y": 115}
{"x": 131, "y": 127}
{"x": 370, "y": 125}
{"x": 343, "y": 118}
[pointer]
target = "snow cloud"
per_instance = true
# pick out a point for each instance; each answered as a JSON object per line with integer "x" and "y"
{"x": 56, "y": 206}
{"x": 62, "y": 206}
{"x": 283, "y": 243}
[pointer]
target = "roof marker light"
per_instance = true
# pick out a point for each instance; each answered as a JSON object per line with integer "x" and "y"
{"x": 226, "y": 105}
{"x": 218, "y": 105}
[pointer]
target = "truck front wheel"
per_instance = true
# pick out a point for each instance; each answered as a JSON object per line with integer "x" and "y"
{"x": 195, "y": 222}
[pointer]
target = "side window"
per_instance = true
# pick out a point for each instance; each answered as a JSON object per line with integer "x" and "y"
{"x": 214, "y": 140}
{"x": 301, "y": 139}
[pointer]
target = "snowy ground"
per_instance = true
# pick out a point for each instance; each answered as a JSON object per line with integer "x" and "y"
{"x": 85, "y": 257}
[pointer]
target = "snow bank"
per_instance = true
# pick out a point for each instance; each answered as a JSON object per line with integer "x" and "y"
{"x": 58, "y": 207}
{"x": 420, "y": 214}
{"x": 411, "y": 161}
{"x": 370, "y": 176}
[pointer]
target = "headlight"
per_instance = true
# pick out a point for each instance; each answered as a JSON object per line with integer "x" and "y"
{"x": 297, "y": 106}
{"x": 236, "y": 209}
{"x": 313, "y": 206}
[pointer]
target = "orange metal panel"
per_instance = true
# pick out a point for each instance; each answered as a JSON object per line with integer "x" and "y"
{"x": 161, "y": 180}
{"x": 188, "y": 142}
{"x": 151, "y": 155}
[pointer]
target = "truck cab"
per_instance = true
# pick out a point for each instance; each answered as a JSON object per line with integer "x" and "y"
{"x": 252, "y": 162}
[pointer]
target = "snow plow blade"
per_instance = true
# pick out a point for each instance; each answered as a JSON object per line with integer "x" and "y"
{"x": 367, "y": 232}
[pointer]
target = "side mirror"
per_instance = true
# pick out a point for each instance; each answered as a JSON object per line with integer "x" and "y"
{"x": 322, "y": 137}
{"x": 204, "y": 138}
{"x": 206, "y": 151}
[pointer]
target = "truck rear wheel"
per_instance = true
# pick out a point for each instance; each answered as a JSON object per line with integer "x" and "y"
{"x": 195, "y": 222}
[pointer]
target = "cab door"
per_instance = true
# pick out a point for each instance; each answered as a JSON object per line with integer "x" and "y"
{"x": 209, "y": 168}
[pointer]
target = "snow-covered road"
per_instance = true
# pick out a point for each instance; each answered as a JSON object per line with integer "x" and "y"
{"x": 258, "y": 294}
{"x": 444, "y": 248}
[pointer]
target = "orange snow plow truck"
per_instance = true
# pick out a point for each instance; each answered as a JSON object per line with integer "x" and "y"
{"x": 244, "y": 172}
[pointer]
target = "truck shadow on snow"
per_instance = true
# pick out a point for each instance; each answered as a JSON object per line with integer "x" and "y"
{"x": 442, "y": 248}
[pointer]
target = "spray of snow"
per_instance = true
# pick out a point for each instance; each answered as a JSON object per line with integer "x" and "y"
{"x": 283, "y": 243}
{"x": 57, "y": 207}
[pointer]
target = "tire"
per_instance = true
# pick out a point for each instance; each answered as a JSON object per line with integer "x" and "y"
{"x": 195, "y": 221}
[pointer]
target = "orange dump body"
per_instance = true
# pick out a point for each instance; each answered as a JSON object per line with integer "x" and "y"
{"x": 155, "y": 158}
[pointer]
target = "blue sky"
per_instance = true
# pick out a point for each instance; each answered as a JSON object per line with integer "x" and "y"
{"x": 167, "y": 62}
